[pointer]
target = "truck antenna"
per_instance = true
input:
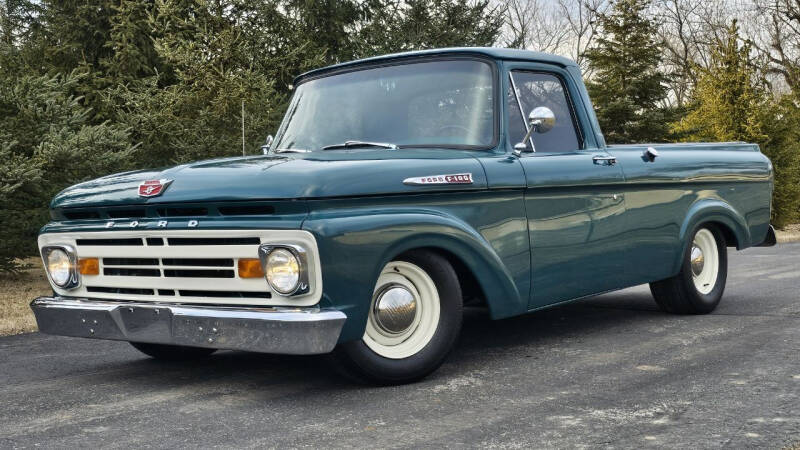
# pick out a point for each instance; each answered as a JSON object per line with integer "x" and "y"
{"x": 243, "y": 154}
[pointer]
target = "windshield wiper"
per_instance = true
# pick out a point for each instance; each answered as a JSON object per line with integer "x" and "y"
{"x": 292, "y": 150}
{"x": 353, "y": 144}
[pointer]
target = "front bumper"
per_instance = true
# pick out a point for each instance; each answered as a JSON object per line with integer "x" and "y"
{"x": 297, "y": 331}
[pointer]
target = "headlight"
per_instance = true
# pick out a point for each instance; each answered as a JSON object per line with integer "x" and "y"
{"x": 285, "y": 268}
{"x": 60, "y": 262}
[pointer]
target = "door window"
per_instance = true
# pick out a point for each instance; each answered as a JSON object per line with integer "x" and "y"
{"x": 534, "y": 89}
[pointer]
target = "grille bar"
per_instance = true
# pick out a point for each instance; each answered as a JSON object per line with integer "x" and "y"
{"x": 198, "y": 273}
{"x": 198, "y": 262}
{"x": 101, "y": 242}
{"x": 215, "y": 241}
{"x": 225, "y": 294}
{"x": 123, "y": 272}
{"x": 130, "y": 261}
{"x": 117, "y": 290}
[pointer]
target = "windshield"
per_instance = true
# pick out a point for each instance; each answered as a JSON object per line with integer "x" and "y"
{"x": 446, "y": 103}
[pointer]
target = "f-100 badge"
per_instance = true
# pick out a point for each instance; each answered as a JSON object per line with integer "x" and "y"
{"x": 455, "y": 178}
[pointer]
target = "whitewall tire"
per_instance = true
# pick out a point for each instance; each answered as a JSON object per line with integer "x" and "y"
{"x": 418, "y": 311}
{"x": 698, "y": 287}
{"x": 413, "y": 321}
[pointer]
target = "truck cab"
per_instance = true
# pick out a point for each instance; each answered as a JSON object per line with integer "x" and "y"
{"x": 398, "y": 189}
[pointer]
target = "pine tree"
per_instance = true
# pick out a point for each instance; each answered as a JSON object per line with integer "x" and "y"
{"x": 731, "y": 103}
{"x": 91, "y": 87}
{"x": 729, "y": 97}
{"x": 130, "y": 41}
{"x": 395, "y": 25}
{"x": 46, "y": 144}
{"x": 628, "y": 86}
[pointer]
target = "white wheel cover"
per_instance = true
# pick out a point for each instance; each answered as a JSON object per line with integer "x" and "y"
{"x": 426, "y": 320}
{"x": 705, "y": 281}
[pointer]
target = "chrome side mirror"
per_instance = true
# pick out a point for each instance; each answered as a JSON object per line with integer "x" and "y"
{"x": 540, "y": 120}
{"x": 267, "y": 144}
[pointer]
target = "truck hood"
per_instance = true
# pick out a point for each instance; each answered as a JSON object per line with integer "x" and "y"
{"x": 340, "y": 173}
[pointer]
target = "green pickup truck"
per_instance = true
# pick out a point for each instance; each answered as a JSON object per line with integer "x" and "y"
{"x": 398, "y": 190}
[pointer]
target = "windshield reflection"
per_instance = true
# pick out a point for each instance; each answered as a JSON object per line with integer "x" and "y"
{"x": 445, "y": 103}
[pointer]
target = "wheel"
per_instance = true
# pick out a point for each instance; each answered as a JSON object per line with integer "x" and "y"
{"x": 698, "y": 287}
{"x": 413, "y": 322}
{"x": 172, "y": 352}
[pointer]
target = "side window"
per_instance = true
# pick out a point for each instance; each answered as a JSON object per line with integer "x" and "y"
{"x": 540, "y": 89}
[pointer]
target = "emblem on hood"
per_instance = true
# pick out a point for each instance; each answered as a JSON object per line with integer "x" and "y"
{"x": 153, "y": 188}
{"x": 454, "y": 178}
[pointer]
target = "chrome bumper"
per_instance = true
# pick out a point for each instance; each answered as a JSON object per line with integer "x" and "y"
{"x": 770, "y": 239}
{"x": 297, "y": 331}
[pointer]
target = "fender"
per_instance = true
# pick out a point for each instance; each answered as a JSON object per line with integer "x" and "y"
{"x": 712, "y": 210}
{"x": 354, "y": 249}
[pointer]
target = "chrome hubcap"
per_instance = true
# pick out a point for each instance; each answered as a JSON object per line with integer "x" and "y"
{"x": 697, "y": 259}
{"x": 394, "y": 309}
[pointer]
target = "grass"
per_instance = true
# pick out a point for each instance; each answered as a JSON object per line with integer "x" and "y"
{"x": 16, "y": 292}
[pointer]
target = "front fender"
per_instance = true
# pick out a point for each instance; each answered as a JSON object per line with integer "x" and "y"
{"x": 354, "y": 249}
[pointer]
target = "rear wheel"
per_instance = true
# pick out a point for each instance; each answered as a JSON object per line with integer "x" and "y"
{"x": 172, "y": 352}
{"x": 698, "y": 287}
{"x": 413, "y": 322}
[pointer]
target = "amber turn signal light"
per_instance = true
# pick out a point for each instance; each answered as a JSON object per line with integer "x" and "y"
{"x": 89, "y": 266}
{"x": 250, "y": 268}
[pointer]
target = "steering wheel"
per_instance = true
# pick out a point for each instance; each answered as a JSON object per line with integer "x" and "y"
{"x": 455, "y": 127}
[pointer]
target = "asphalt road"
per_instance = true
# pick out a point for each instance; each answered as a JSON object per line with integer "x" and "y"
{"x": 610, "y": 371}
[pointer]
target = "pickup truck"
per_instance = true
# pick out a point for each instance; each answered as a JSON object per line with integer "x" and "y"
{"x": 398, "y": 190}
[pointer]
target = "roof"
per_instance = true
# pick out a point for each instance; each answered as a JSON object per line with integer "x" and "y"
{"x": 492, "y": 52}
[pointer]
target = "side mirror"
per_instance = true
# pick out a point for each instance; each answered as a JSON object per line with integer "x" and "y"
{"x": 267, "y": 144}
{"x": 540, "y": 120}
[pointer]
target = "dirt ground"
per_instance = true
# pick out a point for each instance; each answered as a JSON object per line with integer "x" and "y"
{"x": 790, "y": 233}
{"x": 16, "y": 292}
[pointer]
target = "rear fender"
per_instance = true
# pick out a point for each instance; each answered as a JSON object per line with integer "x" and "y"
{"x": 717, "y": 211}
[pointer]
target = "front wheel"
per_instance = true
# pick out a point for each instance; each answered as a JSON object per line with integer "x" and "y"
{"x": 698, "y": 287}
{"x": 413, "y": 322}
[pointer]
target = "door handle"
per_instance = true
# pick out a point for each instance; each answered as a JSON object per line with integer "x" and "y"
{"x": 607, "y": 160}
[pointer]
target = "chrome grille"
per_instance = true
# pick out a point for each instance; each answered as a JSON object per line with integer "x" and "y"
{"x": 198, "y": 266}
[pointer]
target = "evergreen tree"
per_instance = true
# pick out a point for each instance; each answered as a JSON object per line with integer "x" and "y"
{"x": 731, "y": 103}
{"x": 728, "y": 95}
{"x": 628, "y": 86}
{"x": 396, "y": 25}
{"x": 130, "y": 42}
{"x": 91, "y": 87}
{"x": 46, "y": 144}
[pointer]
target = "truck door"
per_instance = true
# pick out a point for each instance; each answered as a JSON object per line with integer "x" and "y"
{"x": 573, "y": 197}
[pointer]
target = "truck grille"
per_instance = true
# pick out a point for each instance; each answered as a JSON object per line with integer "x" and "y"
{"x": 196, "y": 266}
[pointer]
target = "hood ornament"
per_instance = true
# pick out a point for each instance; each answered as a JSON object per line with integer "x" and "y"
{"x": 455, "y": 178}
{"x": 153, "y": 188}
